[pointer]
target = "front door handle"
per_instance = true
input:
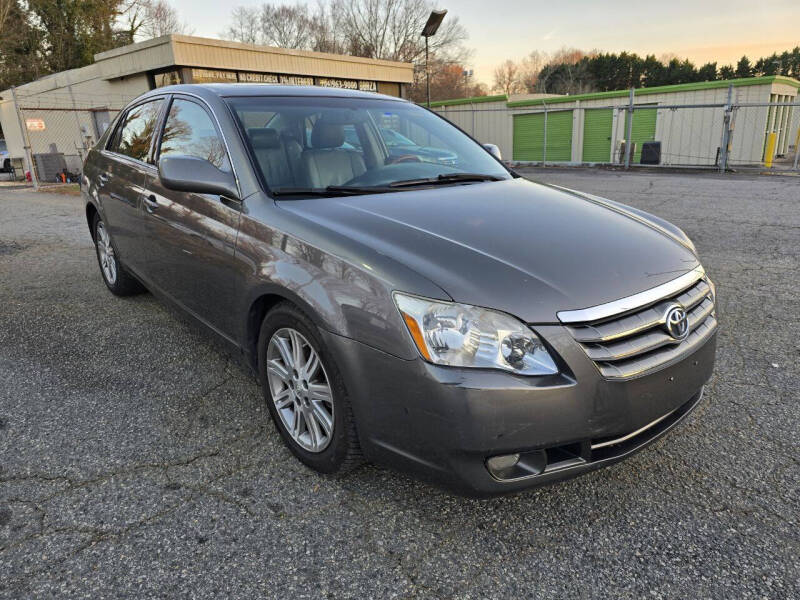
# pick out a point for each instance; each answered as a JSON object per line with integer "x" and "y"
{"x": 150, "y": 203}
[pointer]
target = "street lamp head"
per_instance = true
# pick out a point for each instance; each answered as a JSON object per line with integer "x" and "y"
{"x": 434, "y": 20}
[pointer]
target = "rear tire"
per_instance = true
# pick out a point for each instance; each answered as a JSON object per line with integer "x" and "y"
{"x": 287, "y": 344}
{"x": 116, "y": 278}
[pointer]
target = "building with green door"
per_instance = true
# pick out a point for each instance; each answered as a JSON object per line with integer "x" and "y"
{"x": 685, "y": 120}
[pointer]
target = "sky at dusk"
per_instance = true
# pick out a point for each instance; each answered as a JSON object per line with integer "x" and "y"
{"x": 696, "y": 29}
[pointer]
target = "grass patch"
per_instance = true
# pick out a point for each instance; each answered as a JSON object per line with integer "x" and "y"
{"x": 70, "y": 189}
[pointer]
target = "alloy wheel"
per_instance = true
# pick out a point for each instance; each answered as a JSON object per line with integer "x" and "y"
{"x": 300, "y": 389}
{"x": 105, "y": 251}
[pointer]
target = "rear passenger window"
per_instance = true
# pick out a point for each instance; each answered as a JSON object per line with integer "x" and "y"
{"x": 136, "y": 133}
{"x": 189, "y": 131}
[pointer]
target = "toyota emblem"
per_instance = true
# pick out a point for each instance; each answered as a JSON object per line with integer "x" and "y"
{"x": 676, "y": 323}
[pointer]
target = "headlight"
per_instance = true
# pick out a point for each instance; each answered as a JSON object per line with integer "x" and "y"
{"x": 459, "y": 335}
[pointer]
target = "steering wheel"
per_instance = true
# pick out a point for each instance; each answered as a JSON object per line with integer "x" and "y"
{"x": 404, "y": 158}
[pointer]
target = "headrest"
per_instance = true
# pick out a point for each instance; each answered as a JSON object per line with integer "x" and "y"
{"x": 327, "y": 135}
{"x": 263, "y": 138}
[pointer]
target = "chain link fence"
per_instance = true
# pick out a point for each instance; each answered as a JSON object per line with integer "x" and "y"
{"x": 59, "y": 128}
{"x": 728, "y": 137}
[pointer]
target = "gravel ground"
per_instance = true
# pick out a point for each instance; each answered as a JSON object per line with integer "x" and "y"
{"x": 137, "y": 460}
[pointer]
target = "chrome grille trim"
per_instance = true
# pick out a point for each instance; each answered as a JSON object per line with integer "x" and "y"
{"x": 633, "y": 434}
{"x": 639, "y": 321}
{"x": 647, "y": 341}
{"x": 637, "y": 341}
{"x": 659, "y": 359}
{"x": 624, "y": 305}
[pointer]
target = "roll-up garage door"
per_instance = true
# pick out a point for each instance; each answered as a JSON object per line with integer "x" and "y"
{"x": 644, "y": 127}
{"x": 529, "y": 136}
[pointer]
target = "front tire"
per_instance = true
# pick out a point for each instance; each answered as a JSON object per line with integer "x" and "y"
{"x": 304, "y": 392}
{"x": 116, "y": 278}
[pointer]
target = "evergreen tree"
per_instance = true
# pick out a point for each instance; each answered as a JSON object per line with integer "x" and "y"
{"x": 743, "y": 68}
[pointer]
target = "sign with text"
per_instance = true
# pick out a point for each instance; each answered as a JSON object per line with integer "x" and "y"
{"x": 296, "y": 80}
{"x": 248, "y": 77}
{"x": 222, "y": 76}
{"x": 213, "y": 76}
{"x": 344, "y": 84}
{"x": 34, "y": 124}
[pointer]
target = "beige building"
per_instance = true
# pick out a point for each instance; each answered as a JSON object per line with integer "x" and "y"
{"x": 686, "y": 120}
{"x": 66, "y": 112}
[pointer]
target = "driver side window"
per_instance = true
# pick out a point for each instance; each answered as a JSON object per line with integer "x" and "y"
{"x": 189, "y": 131}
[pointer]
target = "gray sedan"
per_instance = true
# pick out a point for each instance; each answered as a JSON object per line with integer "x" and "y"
{"x": 450, "y": 319}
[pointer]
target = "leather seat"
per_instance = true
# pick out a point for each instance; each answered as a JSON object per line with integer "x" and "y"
{"x": 326, "y": 163}
{"x": 272, "y": 157}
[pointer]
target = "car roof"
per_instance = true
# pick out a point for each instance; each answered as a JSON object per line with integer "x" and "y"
{"x": 269, "y": 89}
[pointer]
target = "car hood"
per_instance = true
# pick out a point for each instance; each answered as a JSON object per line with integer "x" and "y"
{"x": 516, "y": 246}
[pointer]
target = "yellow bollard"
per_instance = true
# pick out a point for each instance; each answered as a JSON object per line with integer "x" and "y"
{"x": 769, "y": 154}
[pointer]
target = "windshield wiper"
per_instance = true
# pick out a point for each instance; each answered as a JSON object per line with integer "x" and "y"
{"x": 330, "y": 191}
{"x": 355, "y": 190}
{"x": 445, "y": 178}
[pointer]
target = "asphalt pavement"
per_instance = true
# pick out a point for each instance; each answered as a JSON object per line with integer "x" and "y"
{"x": 137, "y": 459}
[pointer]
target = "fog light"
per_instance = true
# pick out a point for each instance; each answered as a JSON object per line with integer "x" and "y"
{"x": 498, "y": 465}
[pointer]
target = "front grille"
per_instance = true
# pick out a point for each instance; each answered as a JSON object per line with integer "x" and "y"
{"x": 636, "y": 342}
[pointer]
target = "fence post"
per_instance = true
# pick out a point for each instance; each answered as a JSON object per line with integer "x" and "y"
{"x": 78, "y": 124}
{"x": 726, "y": 132}
{"x": 23, "y": 130}
{"x": 544, "y": 141}
{"x": 629, "y": 131}
{"x": 797, "y": 149}
{"x": 473, "y": 120}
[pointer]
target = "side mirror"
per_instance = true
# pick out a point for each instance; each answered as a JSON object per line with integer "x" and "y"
{"x": 494, "y": 150}
{"x": 196, "y": 175}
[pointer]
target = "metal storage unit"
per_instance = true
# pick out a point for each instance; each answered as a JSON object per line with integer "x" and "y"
{"x": 529, "y": 136}
{"x": 597, "y": 131}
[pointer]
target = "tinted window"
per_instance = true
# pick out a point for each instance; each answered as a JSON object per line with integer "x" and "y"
{"x": 189, "y": 131}
{"x": 136, "y": 133}
{"x": 317, "y": 141}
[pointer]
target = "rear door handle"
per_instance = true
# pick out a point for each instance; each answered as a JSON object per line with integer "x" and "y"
{"x": 150, "y": 203}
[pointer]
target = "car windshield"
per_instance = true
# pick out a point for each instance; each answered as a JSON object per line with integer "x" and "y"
{"x": 393, "y": 138}
{"x": 310, "y": 145}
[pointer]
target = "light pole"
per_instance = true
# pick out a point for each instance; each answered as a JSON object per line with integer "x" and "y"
{"x": 467, "y": 75}
{"x": 431, "y": 27}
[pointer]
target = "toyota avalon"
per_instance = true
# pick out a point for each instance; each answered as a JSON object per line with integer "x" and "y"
{"x": 448, "y": 318}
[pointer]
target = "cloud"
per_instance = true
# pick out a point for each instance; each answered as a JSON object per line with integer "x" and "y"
{"x": 550, "y": 34}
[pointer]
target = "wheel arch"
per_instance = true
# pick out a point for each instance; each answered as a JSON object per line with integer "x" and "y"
{"x": 260, "y": 305}
{"x": 91, "y": 212}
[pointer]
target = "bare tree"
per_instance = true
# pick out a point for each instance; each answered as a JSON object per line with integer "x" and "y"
{"x": 160, "y": 18}
{"x": 390, "y": 29}
{"x": 245, "y": 26}
{"x": 530, "y": 67}
{"x": 145, "y": 19}
{"x": 506, "y": 78}
{"x": 386, "y": 29}
{"x": 287, "y": 26}
{"x": 447, "y": 82}
{"x": 5, "y": 11}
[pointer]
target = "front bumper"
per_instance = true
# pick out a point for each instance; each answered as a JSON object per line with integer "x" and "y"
{"x": 443, "y": 423}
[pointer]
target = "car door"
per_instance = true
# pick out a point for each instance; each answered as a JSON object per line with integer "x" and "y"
{"x": 122, "y": 170}
{"x": 192, "y": 237}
